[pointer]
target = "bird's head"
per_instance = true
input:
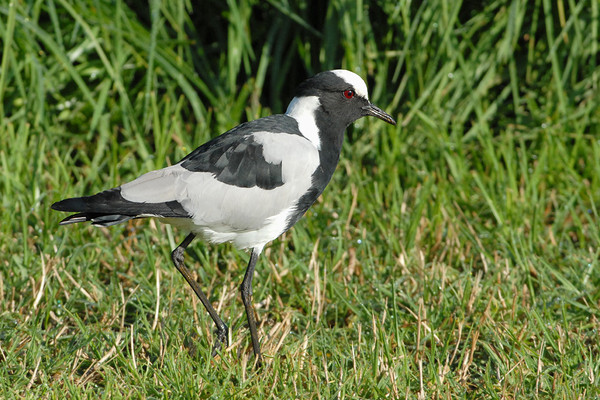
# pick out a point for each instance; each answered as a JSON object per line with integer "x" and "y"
{"x": 340, "y": 94}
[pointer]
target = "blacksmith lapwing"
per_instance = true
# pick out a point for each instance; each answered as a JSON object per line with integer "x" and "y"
{"x": 246, "y": 186}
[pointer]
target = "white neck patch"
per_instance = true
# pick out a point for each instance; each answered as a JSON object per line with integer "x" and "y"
{"x": 360, "y": 87}
{"x": 303, "y": 110}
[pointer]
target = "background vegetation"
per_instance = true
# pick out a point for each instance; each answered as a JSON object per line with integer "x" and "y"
{"x": 453, "y": 256}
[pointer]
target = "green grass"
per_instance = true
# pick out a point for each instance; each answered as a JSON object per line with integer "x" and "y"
{"x": 453, "y": 256}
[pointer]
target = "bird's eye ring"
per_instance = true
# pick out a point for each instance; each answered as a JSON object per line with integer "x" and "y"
{"x": 349, "y": 94}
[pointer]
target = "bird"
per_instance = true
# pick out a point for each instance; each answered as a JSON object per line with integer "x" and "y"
{"x": 247, "y": 186}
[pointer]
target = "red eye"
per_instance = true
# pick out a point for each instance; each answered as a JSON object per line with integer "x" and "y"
{"x": 349, "y": 94}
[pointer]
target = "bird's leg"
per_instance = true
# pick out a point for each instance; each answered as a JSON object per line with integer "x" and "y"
{"x": 246, "y": 290}
{"x": 222, "y": 330}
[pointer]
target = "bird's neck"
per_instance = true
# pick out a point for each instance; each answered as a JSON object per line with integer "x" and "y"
{"x": 303, "y": 110}
{"x": 331, "y": 134}
{"x": 324, "y": 131}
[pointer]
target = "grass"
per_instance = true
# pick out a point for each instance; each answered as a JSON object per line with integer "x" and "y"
{"x": 454, "y": 256}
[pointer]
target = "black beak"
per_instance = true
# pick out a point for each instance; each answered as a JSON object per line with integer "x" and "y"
{"x": 379, "y": 113}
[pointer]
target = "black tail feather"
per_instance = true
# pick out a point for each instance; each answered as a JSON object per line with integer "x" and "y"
{"x": 109, "y": 208}
{"x": 96, "y": 219}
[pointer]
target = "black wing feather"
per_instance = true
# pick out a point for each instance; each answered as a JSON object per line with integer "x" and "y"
{"x": 237, "y": 159}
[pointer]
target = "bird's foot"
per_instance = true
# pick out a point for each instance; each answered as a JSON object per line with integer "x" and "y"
{"x": 222, "y": 338}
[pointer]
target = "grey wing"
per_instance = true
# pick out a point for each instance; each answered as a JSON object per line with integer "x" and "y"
{"x": 240, "y": 164}
{"x": 239, "y": 157}
{"x": 236, "y": 187}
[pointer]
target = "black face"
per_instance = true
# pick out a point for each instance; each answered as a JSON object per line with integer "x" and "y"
{"x": 339, "y": 98}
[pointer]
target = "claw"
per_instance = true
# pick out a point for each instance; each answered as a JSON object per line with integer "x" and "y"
{"x": 222, "y": 338}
